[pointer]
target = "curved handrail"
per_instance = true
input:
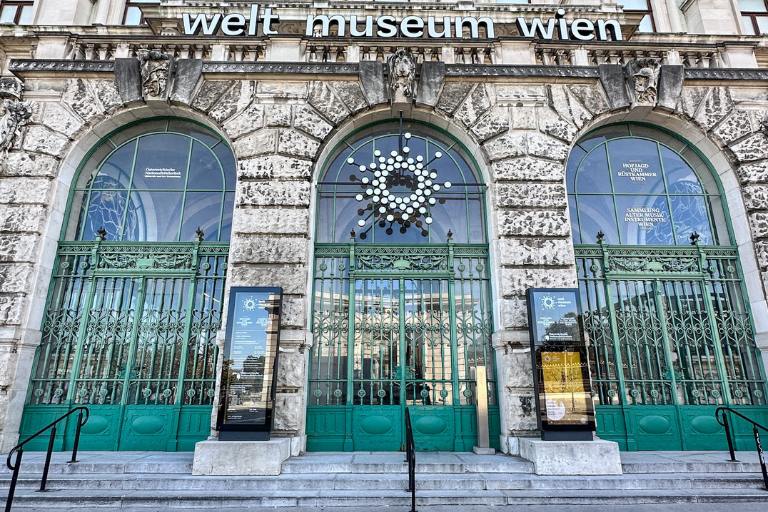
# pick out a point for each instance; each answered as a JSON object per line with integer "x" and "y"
{"x": 54, "y": 422}
{"x": 737, "y": 413}
{"x": 722, "y": 419}
{"x": 410, "y": 455}
{"x": 19, "y": 450}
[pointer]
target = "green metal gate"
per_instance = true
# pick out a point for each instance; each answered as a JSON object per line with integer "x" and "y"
{"x": 398, "y": 326}
{"x": 130, "y": 331}
{"x": 670, "y": 339}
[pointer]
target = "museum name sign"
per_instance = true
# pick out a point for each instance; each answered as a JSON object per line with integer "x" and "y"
{"x": 386, "y": 26}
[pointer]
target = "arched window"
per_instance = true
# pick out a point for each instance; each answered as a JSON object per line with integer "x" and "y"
{"x": 640, "y": 186}
{"x": 157, "y": 182}
{"x": 400, "y": 187}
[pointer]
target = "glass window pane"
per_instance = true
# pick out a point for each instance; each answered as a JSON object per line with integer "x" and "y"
{"x": 115, "y": 173}
{"x": 762, "y": 24}
{"x": 747, "y": 28}
{"x": 575, "y": 232}
{"x": 644, "y": 220}
{"x": 133, "y": 16}
{"x": 680, "y": 177}
{"x": 635, "y": 166}
{"x": 161, "y": 162}
{"x": 596, "y": 213}
{"x": 592, "y": 175}
{"x": 634, "y": 5}
{"x": 204, "y": 170}
{"x": 26, "y": 15}
{"x": 690, "y": 214}
{"x": 646, "y": 24}
{"x": 8, "y": 14}
{"x": 226, "y": 220}
{"x": 228, "y": 164}
{"x": 155, "y": 216}
{"x": 105, "y": 209}
{"x": 753, "y": 6}
{"x": 201, "y": 210}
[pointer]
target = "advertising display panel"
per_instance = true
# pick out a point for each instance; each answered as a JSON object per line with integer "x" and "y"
{"x": 560, "y": 367}
{"x": 250, "y": 363}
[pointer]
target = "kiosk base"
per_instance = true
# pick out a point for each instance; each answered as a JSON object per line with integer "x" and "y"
{"x": 596, "y": 457}
{"x": 232, "y": 458}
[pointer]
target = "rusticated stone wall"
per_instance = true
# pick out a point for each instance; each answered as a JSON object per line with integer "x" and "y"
{"x": 520, "y": 128}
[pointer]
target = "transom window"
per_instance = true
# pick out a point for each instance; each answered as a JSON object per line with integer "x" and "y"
{"x": 754, "y": 17}
{"x": 133, "y": 14}
{"x": 160, "y": 181}
{"x": 639, "y": 186}
{"x": 18, "y": 12}
{"x": 404, "y": 185}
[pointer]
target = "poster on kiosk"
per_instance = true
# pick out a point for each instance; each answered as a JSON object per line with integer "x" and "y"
{"x": 250, "y": 363}
{"x": 560, "y": 365}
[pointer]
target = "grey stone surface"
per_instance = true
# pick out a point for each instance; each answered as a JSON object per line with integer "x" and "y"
{"x": 188, "y": 74}
{"x": 232, "y": 458}
{"x": 452, "y": 95}
{"x": 273, "y": 193}
{"x": 612, "y": 80}
{"x": 670, "y": 86}
{"x": 372, "y": 82}
{"x": 543, "y": 195}
{"x": 322, "y": 97}
{"x": 476, "y": 103}
{"x": 596, "y": 457}
{"x": 128, "y": 80}
{"x": 533, "y": 223}
{"x": 431, "y": 79}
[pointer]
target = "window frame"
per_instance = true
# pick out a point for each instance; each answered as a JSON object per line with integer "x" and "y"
{"x": 753, "y": 15}
{"x": 138, "y": 4}
{"x": 20, "y": 4}
{"x": 645, "y": 12}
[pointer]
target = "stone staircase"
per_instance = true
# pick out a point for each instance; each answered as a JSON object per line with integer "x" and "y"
{"x": 370, "y": 481}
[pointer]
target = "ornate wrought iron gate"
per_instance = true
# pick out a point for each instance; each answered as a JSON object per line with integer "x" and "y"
{"x": 671, "y": 339}
{"x": 130, "y": 331}
{"x": 398, "y": 326}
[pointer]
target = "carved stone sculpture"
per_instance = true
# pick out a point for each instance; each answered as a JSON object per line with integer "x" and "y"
{"x": 155, "y": 73}
{"x": 764, "y": 125}
{"x": 11, "y": 87}
{"x": 642, "y": 80}
{"x": 402, "y": 77}
{"x": 14, "y": 116}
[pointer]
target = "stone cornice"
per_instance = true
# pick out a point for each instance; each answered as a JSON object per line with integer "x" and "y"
{"x": 29, "y": 67}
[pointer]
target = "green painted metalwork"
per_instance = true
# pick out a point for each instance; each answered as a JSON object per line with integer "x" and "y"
{"x": 418, "y": 327}
{"x": 130, "y": 326}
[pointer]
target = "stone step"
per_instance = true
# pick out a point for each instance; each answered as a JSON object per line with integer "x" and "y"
{"x": 376, "y": 482}
{"x": 690, "y": 467}
{"x": 208, "y": 500}
{"x": 395, "y": 463}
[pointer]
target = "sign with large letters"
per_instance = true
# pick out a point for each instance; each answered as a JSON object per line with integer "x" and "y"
{"x": 264, "y": 22}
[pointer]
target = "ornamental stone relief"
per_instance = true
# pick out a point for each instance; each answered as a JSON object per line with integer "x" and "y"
{"x": 642, "y": 81}
{"x": 402, "y": 77}
{"x": 155, "y": 73}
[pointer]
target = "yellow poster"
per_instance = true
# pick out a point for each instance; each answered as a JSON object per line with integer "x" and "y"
{"x": 565, "y": 399}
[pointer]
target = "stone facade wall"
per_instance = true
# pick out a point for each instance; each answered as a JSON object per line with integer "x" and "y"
{"x": 521, "y": 128}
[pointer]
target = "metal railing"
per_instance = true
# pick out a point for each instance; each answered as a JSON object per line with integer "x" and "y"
{"x": 19, "y": 451}
{"x": 722, "y": 418}
{"x": 410, "y": 455}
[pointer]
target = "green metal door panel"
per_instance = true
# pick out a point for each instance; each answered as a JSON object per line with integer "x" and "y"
{"x": 194, "y": 426}
{"x": 494, "y": 426}
{"x": 377, "y": 428}
{"x": 37, "y": 417}
{"x": 701, "y": 431}
{"x": 433, "y": 428}
{"x": 654, "y": 427}
{"x": 326, "y": 428}
{"x": 148, "y": 428}
{"x": 466, "y": 428}
{"x": 101, "y": 430}
{"x": 742, "y": 431}
{"x": 611, "y": 425}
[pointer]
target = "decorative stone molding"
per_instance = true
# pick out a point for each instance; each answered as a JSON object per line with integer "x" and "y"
{"x": 11, "y": 87}
{"x": 372, "y": 82}
{"x": 308, "y": 68}
{"x": 156, "y": 67}
{"x": 461, "y": 70}
{"x": 15, "y": 114}
{"x": 641, "y": 77}
{"x": 431, "y": 81}
{"x": 612, "y": 80}
{"x": 671, "y": 81}
{"x": 401, "y": 68}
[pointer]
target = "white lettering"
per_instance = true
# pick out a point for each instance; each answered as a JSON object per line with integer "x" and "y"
{"x": 387, "y": 26}
{"x": 536, "y": 26}
{"x": 602, "y": 31}
{"x": 354, "y": 29}
{"x": 201, "y": 22}
{"x": 432, "y": 29}
{"x": 412, "y": 26}
{"x": 583, "y": 29}
{"x": 233, "y": 25}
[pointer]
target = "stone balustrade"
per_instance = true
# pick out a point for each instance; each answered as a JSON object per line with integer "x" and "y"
{"x": 556, "y": 54}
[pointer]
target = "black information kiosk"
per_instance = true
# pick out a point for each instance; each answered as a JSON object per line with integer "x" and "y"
{"x": 250, "y": 364}
{"x": 560, "y": 365}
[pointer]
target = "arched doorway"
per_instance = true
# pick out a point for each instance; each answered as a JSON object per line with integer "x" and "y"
{"x": 670, "y": 332}
{"x": 135, "y": 300}
{"x": 401, "y": 295}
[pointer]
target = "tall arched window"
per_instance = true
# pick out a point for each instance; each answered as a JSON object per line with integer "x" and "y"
{"x": 402, "y": 312}
{"x": 669, "y": 325}
{"x": 135, "y": 300}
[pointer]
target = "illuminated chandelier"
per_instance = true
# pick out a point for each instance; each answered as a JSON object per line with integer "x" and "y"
{"x": 402, "y": 169}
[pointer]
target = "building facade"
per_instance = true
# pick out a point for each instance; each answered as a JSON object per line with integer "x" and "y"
{"x": 404, "y": 172}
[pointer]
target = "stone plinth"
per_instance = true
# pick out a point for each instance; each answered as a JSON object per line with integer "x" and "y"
{"x": 596, "y": 457}
{"x": 231, "y": 458}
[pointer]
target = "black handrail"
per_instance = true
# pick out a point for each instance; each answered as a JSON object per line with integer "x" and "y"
{"x": 410, "y": 455}
{"x": 722, "y": 419}
{"x": 19, "y": 451}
